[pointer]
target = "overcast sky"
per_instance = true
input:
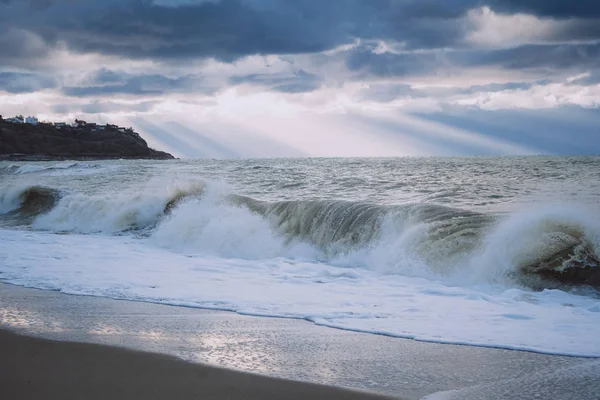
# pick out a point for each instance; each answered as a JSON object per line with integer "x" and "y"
{"x": 278, "y": 78}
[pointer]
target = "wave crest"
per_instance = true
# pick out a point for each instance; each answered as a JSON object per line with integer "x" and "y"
{"x": 546, "y": 248}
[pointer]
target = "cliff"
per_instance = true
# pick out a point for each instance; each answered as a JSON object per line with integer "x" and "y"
{"x": 47, "y": 142}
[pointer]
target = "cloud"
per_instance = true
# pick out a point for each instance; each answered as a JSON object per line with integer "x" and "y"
{"x": 587, "y": 78}
{"x": 19, "y": 82}
{"x": 106, "y": 107}
{"x": 228, "y": 30}
{"x": 549, "y": 8}
{"x": 19, "y": 47}
{"x": 536, "y": 97}
{"x": 107, "y": 82}
{"x": 553, "y": 57}
{"x": 366, "y": 60}
{"x": 384, "y": 92}
{"x": 491, "y": 29}
{"x": 547, "y": 59}
{"x": 94, "y": 108}
{"x": 297, "y": 82}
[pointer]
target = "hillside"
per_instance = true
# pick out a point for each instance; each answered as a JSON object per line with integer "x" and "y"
{"x": 48, "y": 142}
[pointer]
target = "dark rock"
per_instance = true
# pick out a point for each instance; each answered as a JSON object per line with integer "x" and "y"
{"x": 46, "y": 142}
{"x": 576, "y": 265}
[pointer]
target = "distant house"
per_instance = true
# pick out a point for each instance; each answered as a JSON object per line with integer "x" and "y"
{"x": 80, "y": 123}
{"x": 16, "y": 120}
{"x": 60, "y": 124}
{"x": 31, "y": 120}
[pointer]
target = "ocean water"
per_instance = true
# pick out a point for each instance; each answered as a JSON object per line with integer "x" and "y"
{"x": 477, "y": 251}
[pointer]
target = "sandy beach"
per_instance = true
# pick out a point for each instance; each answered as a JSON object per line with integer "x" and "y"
{"x": 34, "y": 368}
{"x": 210, "y": 348}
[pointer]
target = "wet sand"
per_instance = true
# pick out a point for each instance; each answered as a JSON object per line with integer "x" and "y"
{"x": 270, "y": 347}
{"x": 34, "y": 368}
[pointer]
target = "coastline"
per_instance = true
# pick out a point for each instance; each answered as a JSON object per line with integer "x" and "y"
{"x": 83, "y": 141}
{"x": 296, "y": 350}
{"x": 99, "y": 157}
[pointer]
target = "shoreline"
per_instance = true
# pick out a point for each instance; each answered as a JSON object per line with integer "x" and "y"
{"x": 34, "y": 368}
{"x": 295, "y": 350}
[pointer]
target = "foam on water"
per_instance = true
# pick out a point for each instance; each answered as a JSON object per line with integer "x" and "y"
{"x": 100, "y": 213}
{"x": 413, "y": 270}
{"x": 357, "y": 299}
{"x": 10, "y": 197}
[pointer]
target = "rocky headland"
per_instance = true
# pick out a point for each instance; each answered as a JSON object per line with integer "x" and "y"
{"x": 44, "y": 142}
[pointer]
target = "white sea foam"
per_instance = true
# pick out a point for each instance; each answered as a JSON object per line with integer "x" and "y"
{"x": 101, "y": 213}
{"x": 357, "y": 299}
{"x": 10, "y": 197}
{"x": 203, "y": 227}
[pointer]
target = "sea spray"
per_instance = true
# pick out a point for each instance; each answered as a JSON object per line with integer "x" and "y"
{"x": 421, "y": 240}
{"x": 427, "y": 249}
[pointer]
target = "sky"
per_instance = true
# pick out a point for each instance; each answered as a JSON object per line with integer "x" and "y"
{"x": 312, "y": 78}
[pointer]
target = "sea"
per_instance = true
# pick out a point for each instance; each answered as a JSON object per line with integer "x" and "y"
{"x": 475, "y": 251}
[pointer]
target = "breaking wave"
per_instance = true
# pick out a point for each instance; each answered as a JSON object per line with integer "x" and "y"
{"x": 20, "y": 204}
{"x": 549, "y": 247}
{"x": 63, "y": 211}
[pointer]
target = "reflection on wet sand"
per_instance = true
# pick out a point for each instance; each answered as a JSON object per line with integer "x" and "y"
{"x": 298, "y": 350}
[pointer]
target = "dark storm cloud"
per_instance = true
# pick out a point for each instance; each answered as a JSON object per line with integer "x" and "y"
{"x": 226, "y": 30}
{"x": 298, "y": 82}
{"x": 230, "y": 29}
{"x": 366, "y": 60}
{"x": 19, "y": 47}
{"x": 107, "y": 82}
{"x": 549, "y": 8}
{"x": 18, "y": 82}
{"x": 553, "y": 57}
{"x": 430, "y": 33}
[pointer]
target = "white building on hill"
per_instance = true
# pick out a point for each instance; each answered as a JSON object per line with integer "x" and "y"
{"x": 31, "y": 120}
